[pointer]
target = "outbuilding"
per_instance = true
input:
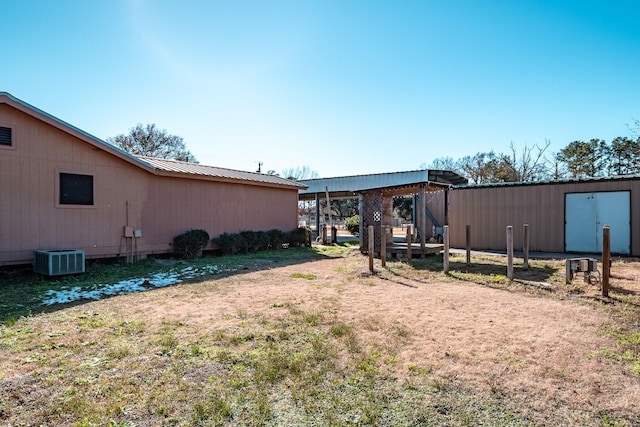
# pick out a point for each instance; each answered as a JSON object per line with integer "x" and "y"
{"x": 562, "y": 216}
{"x": 61, "y": 187}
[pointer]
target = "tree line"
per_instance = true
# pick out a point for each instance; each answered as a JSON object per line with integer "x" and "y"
{"x": 578, "y": 160}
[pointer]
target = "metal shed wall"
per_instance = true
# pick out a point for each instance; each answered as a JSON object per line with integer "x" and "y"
{"x": 490, "y": 209}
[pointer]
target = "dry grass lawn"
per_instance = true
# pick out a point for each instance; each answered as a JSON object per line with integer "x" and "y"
{"x": 533, "y": 352}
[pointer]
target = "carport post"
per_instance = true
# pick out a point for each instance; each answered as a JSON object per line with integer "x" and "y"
{"x": 383, "y": 245}
{"x": 510, "y": 252}
{"x": 606, "y": 258}
{"x": 318, "y": 214}
{"x": 445, "y": 254}
{"x": 525, "y": 246}
{"x": 371, "y": 247}
{"x": 468, "y": 244}
{"x": 423, "y": 220}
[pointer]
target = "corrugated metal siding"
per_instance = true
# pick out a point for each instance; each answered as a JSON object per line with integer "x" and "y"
{"x": 489, "y": 210}
{"x": 362, "y": 182}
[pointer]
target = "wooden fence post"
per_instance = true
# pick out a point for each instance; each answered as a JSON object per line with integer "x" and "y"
{"x": 371, "y": 247}
{"x": 468, "y": 240}
{"x": 423, "y": 221}
{"x": 606, "y": 259}
{"x": 445, "y": 255}
{"x": 510, "y": 252}
{"x": 383, "y": 245}
{"x": 525, "y": 246}
{"x": 409, "y": 240}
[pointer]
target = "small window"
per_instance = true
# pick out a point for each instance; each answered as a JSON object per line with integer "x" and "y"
{"x": 76, "y": 189}
{"x": 5, "y": 136}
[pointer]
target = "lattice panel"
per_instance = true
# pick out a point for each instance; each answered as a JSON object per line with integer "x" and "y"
{"x": 376, "y": 210}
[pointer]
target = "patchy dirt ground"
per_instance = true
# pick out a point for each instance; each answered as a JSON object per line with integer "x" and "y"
{"x": 550, "y": 351}
{"x": 540, "y": 349}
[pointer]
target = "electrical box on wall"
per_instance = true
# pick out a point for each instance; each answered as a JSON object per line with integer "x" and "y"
{"x": 137, "y": 234}
{"x": 128, "y": 231}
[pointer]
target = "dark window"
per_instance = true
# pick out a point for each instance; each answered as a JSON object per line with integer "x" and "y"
{"x": 76, "y": 189}
{"x": 5, "y": 136}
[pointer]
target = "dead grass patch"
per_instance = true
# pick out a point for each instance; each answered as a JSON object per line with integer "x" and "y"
{"x": 405, "y": 346}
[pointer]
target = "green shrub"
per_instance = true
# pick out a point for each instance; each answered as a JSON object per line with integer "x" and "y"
{"x": 275, "y": 238}
{"x": 190, "y": 243}
{"x": 248, "y": 241}
{"x": 229, "y": 243}
{"x": 299, "y": 237}
{"x": 353, "y": 224}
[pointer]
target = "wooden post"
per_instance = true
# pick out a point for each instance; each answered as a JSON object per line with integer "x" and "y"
{"x": 334, "y": 234}
{"x": 445, "y": 255}
{"x": 409, "y": 240}
{"x": 525, "y": 246}
{"x": 468, "y": 240}
{"x": 423, "y": 220}
{"x": 510, "y": 252}
{"x": 371, "y": 247}
{"x": 606, "y": 259}
{"x": 328, "y": 209}
{"x": 383, "y": 245}
{"x": 324, "y": 234}
{"x": 318, "y": 234}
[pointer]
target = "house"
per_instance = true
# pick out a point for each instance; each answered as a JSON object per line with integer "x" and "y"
{"x": 562, "y": 216}
{"x": 61, "y": 187}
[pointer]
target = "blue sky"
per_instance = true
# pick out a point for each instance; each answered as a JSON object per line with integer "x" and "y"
{"x": 343, "y": 87}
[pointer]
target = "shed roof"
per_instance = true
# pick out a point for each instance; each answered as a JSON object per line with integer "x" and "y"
{"x": 152, "y": 165}
{"x": 550, "y": 182}
{"x": 173, "y": 167}
{"x": 399, "y": 182}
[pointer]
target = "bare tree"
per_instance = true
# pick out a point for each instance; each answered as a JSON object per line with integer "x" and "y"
{"x": 526, "y": 166}
{"x": 299, "y": 173}
{"x": 635, "y": 128}
{"x": 442, "y": 163}
{"x": 479, "y": 168}
{"x": 150, "y": 141}
{"x": 556, "y": 168}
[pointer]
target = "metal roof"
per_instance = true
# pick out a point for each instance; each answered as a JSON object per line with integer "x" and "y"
{"x": 150, "y": 164}
{"x": 549, "y": 182}
{"x": 204, "y": 171}
{"x": 347, "y": 186}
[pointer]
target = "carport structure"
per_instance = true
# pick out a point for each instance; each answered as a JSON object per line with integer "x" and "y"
{"x": 375, "y": 193}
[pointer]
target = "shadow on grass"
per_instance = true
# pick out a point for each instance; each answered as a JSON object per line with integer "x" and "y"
{"x": 483, "y": 272}
{"x": 22, "y": 292}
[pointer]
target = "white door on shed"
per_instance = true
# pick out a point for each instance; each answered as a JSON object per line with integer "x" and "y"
{"x": 587, "y": 213}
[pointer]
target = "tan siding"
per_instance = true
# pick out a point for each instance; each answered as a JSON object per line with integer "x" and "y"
{"x": 219, "y": 208}
{"x": 490, "y": 209}
{"x": 160, "y": 207}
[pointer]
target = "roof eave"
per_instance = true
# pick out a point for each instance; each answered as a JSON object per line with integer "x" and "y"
{"x": 170, "y": 174}
{"x": 59, "y": 124}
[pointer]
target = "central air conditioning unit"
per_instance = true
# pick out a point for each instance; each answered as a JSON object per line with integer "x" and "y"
{"x": 58, "y": 262}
